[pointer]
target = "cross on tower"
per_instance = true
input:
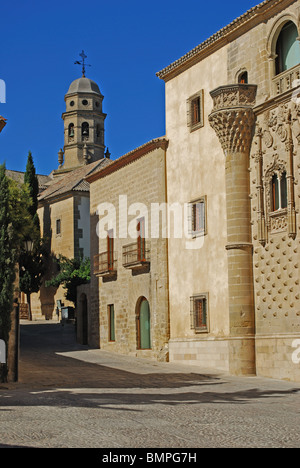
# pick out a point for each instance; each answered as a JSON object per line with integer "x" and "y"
{"x": 82, "y": 62}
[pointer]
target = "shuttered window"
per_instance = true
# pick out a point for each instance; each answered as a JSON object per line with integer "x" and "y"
{"x": 195, "y": 111}
{"x": 197, "y": 217}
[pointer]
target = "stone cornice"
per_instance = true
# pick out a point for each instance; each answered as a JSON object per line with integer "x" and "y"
{"x": 236, "y": 28}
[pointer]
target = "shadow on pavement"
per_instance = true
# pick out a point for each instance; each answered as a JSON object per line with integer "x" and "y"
{"x": 47, "y": 378}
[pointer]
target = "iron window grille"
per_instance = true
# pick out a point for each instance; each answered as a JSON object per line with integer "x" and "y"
{"x": 199, "y": 313}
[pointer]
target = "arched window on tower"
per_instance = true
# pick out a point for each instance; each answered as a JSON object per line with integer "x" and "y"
{"x": 85, "y": 131}
{"x": 71, "y": 130}
{"x": 287, "y": 48}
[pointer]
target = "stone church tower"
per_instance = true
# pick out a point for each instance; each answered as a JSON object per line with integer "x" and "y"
{"x": 83, "y": 126}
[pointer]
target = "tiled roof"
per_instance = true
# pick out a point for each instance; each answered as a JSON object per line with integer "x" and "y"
{"x": 18, "y": 177}
{"x": 191, "y": 57}
{"x": 128, "y": 158}
{"x": 73, "y": 181}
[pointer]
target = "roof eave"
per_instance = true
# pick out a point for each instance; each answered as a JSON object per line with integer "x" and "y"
{"x": 224, "y": 36}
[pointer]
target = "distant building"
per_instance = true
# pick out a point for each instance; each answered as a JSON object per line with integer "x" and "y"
{"x": 64, "y": 206}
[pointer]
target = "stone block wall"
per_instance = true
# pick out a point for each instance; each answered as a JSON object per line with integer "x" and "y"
{"x": 143, "y": 182}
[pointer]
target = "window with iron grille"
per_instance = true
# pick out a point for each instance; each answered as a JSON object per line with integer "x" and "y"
{"x": 197, "y": 217}
{"x": 199, "y": 313}
{"x": 195, "y": 111}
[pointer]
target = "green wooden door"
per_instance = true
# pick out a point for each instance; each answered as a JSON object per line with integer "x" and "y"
{"x": 145, "y": 342}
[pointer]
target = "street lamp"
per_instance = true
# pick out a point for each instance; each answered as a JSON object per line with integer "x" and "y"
{"x": 28, "y": 246}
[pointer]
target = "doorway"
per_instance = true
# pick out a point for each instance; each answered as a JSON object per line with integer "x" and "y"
{"x": 143, "y": 324}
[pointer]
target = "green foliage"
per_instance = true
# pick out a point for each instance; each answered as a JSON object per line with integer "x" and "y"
{"x": 20, "y": 218}
{"x": 72, "y": 273}
{"x": 7, "y": 263}
{"x": 33, "y": 267}
{"x": 31, "y": 180}
{"x": 32, "y": 264}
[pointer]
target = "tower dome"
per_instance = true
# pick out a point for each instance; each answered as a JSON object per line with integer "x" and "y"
{"x": 83, "y": 85}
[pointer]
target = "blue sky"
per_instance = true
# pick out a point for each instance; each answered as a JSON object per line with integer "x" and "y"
{"x": 127, "y": 42}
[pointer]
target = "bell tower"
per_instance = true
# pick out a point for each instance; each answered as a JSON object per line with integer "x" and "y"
{"x": 83, "y": 125}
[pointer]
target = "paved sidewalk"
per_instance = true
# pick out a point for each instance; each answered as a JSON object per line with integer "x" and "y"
{"x": 70, "y": 396}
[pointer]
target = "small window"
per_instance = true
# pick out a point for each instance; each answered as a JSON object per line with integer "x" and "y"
{"x": 111, "y": 323}
{"x": 279, "y": 192}
{"x": 71, "y": 130}
{"x": 195, "y": 111}
{"x": 85, "y": 102}
{"x": 199, "y": 313}
{"x": 243, "y": 78}
{"x": 58, "y": 227}
{"x": 197, "y": 217}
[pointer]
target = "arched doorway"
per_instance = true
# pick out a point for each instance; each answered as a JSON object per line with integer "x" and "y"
{"x": 143, "y": 324}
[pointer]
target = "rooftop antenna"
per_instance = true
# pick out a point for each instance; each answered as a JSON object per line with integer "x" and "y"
{"x": 82, "y": 63}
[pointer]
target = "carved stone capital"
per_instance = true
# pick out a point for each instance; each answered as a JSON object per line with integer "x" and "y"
{"x": 232, "y": 117}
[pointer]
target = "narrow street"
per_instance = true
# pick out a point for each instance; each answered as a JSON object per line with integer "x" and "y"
{"x": 74, "y": 397}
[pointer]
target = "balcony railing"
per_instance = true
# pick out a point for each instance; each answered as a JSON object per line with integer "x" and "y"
{"x": 286, "y": 80}
{"x": 136, "y": 255}
{"x": 105, "y": 264}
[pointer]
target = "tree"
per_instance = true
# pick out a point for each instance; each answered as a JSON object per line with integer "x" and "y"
{"x": 32, "y": 264}
{"x": 8, "y": 253}
{"x": 72, "y": 273}
{"x": 16, "y": 224}
{"x": 31, "y": 180}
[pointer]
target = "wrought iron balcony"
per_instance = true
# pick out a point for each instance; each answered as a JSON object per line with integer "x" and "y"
{"x": 136, "y": 255}
{"x": 105, "y": 264}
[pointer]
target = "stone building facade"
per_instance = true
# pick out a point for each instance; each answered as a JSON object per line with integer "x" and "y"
{"x": 232, "y": 121}
{"x": 64, "y": 201}
{"x": 221, "y": 288}
{"x": 129, "y": 289}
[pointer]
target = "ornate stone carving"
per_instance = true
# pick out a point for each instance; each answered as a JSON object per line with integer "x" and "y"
{"x": 295, "y": 116}
{"x": 278, "y": 166}
{"x": 277, "y": 122}
{"x": 234, "y": 129}
{"x": 237, "y": 95}
{"x": 232, "y": 117}
{"x": 278, "y": 222}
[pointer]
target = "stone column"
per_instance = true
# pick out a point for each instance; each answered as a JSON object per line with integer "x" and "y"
{"x": 233, "y": 120}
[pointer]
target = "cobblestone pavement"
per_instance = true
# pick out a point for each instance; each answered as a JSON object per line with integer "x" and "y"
{"x": 71, "y": 396}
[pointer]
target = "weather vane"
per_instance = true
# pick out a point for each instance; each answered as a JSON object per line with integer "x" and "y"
{"x": 82, "y": 62}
